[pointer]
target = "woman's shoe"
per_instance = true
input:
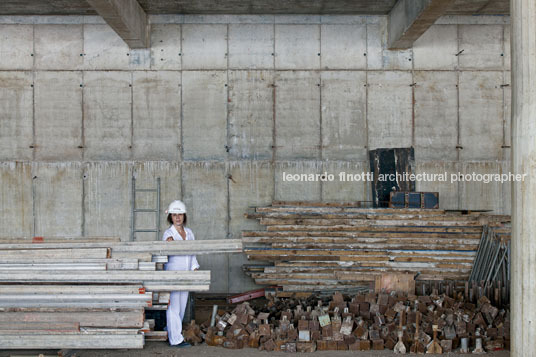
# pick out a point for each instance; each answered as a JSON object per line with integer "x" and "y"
{"x": 182, "y": 344}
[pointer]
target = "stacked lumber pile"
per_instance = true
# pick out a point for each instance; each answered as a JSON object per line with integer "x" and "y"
{"x": 362, "y": 322}
{"x": 313, "y": 247}
{"x": 90, "y": 293}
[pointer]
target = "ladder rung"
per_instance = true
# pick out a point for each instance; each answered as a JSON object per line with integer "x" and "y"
{"x": 145, "y": 230}
{"x": 144, "y": 210}
{"x": 146, "y": 190}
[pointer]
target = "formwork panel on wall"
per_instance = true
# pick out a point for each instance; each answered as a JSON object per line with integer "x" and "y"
{"x": 204, "y": 46}
{"x": 436, "y": 115}
{"x": 251, "y": 118}
{"x": 344, "y": 128}
{"x": 437, "y": 48}
{"x": 448, "y": 191}
{"x": 16, "y": 47}
{"x": 252, "y": 185}
{"x": 482, "y": 45}
{"x": 107, "y": 115}
{"x": 251, "y": 46}
{"x": 205, "y": 196}
{"x": 58, "y": 199}
{"x": 378, "y": 56}
{"x": 16, "y": 112}
{"x": 204, "y": 111}
{"x": 349, "y": 182}
{"x": 58, "y": 115}
{"x": 107, "y": 199}
{"x": 104, "y": 49}
{"x": 297, "y": 119}
{"x": 59, "y": 47}
{"x": 156, "y": 113}
{"x": 506, "y": 49}
{"x": 481, "y": 115}
{"x": 297, "y": 46}
{"x": 297, "y": 188}
{"x": 166, "y": 46}
{"x": 389, "y": 109}
{"x": 479, "y": 195}
{"x": 344, "y": 46}
{"x": 16, "y": 214}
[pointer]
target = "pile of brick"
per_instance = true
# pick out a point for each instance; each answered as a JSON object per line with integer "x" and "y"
{"x": 361, "y": 322}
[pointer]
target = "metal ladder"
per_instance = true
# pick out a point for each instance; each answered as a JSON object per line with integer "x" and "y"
{"x": 135, "y": 210}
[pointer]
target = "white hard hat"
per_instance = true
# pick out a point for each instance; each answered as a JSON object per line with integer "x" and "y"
{"x": 176, "y": 207}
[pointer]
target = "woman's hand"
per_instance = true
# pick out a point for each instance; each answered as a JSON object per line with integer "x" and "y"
{"x": 169, "y": 239}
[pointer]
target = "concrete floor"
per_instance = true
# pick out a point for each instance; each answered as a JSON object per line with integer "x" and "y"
{"x": 163, "y": 349}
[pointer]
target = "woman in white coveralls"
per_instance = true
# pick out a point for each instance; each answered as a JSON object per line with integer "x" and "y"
{"x": 178, "y": 299}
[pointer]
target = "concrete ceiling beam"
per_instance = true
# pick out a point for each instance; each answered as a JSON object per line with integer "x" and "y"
{"x": 127, "y": 18}
{"x": 409, "y": 19}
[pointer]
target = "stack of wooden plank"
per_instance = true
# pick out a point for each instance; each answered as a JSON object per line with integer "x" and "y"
{"x": 317, "y": 247}
{"x": 90, "y": 293}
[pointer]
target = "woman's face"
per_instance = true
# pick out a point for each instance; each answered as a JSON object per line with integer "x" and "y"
{"x": 177, "y": 218}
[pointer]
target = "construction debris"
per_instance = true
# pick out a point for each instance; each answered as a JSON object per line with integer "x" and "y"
{"x": 91, "y": 293}
{"x": 338, "y": 247}
{"x": 433, "y": 323}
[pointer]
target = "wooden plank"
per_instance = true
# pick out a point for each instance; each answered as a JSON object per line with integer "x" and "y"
{"x": 111, "y": 264}
{"x": 53, "y": 254}
{"x": 38, "y": 240}
{"x": 51, "y": 327}
{"x": 196, "y": 247}
{"x": 112, "y": 276}
{"x": 119, "y": 319}
{"x": 395, "y": 282}
{"x": 79, "y": 341}
{"x": 52, "y": 266}
{"x": 72, "y": 289}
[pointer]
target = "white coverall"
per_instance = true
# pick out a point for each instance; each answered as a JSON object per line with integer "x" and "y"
{"x": 178, "y": 299}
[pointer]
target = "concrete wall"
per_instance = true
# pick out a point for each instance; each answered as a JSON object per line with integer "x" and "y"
{"x": 220, "y": 106}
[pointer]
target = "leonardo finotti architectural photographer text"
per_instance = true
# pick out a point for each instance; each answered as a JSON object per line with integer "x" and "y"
{"x": 405, "y": 176}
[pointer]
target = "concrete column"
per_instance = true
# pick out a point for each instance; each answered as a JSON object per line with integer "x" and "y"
{"x": 523, "y": 285}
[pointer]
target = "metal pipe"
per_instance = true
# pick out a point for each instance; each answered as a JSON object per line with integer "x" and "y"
{"x": 213, "y": 317}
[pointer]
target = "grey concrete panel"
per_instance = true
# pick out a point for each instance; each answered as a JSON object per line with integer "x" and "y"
{"x": 204, "y": 46}
{"x": 251, "y": 118}
{"x": 479, "y": 195}
{"x": 344, "y": 46}
{"x": 389, "y": 109}
{"x": 204, "y": 110}
{"x": 344, "y": 128}
{"x": 59, "y": 47}
{"x": 378, "y": 56}
{"x": 146, "y": 174}
{"x": 107, "y": 199}
{"x": 299, "y": 189}
{"x": 448, "y": 191}
{"x": 16, "y": 47}
{"x": 349, "y": 182}
{"x": 297, "y": 122}
{"x": 437, "y": 48}
{"x": 107, "y": 115}
{"x": 296, "y": 19}
{"x": 343, "y": 19}
{"x": 481, "y": 115}
{"x": 16, "y": 111}
{"x": 16, "y": 214}
{"x": 166, "y": 47}
{"x": 58, "y": 116}
{"x": 206, "y": 198}
{"x": 104, "y": 49}
{"x": 58, "y": 199}
{"x": 482, "y": 45}
{"x": 506, "y": 48}
{"x": 251, "y": 46}
{"x": 436, "y": 115}
{"x": 297, "y": 46}
{"x": 252, "y": 185}
{"x": 156, "y": 115}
